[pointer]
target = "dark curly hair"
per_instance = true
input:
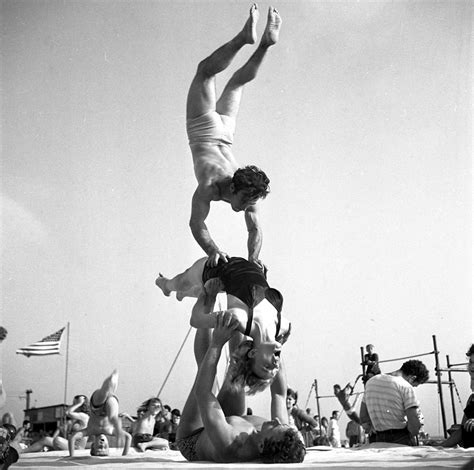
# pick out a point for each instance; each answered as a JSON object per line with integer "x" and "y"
{"x": 416, "y": 368}
{"x": 470, "y": 351}
{"x": 253, "y": 181}
{"x": 240, "y": 371}
{"x": 287, "y": 449}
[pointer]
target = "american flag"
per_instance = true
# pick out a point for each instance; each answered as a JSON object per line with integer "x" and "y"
{"x": 47, "y": 346}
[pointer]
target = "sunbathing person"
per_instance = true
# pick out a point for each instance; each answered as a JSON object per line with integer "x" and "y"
{"x": 104, "y": 420}
{"x": 142, "y": 437}
{"x": 218, "y": 429}
{"x": 251, "y": 301}
{"x": 210, "y": 124}
{"x": 46, "y": 442}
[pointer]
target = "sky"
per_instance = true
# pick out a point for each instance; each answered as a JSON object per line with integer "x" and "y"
{"x": 360, "y": 116}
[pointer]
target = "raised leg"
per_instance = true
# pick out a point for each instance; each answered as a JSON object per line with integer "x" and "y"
{"x": 107, "y": 389}
{"x": 229, "y": 102}
{"x": 202, "y": 92}
{"x": 186, "y": 284}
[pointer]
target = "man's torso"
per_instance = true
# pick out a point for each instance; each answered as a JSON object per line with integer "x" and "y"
{"x": 237, "y": 450}
{"x": 387, "y": 398}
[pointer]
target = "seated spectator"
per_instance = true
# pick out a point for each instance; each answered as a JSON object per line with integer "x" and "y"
{"x": 371, "y": 361}
{"x": 142, "y": 437}
{"x": 163, "y": 422}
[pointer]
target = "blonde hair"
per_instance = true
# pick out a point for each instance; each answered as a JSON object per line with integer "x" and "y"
{"x": 240, "y": 371}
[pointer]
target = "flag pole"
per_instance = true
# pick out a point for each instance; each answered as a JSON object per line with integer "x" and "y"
{"x": 67, "y": 364}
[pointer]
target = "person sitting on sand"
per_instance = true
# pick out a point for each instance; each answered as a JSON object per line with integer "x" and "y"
{"x": 251, "y": 301}
{"x": 142, "y": 437}
{"x": 104, "y": 420}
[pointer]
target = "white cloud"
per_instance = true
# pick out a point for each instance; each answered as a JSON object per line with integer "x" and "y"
{"x": 18, "y": 225}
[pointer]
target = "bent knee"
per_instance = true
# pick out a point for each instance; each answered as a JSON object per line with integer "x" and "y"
{"x": 204, "y": 70}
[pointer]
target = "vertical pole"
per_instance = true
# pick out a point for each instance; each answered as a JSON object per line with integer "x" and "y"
{"x": 440, "y": 388}
{"x": 67, "y": 365}
{"x": 317, "y": 399}
{"x": 28, "y": 393}
{"x": 451, "y": 389}
{"x": 362, "y": 363}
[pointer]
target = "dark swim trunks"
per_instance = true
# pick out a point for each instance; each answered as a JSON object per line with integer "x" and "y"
{"x": 100, "y": 410}
{"x": 247, "y": 282}
{"x": 138, "y": 438}
{"x": 187, "y": 445}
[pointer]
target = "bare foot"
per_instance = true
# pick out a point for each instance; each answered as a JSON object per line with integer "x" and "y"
{"x": 272, "y": 30}
{"x": 161, "y": 283}
{"x": 249, "y": 31}
{"x": 141, "y": 446}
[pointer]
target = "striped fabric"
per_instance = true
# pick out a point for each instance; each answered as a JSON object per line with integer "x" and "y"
{"x": 387, "y": 397}
{"x": 46, "y": 347}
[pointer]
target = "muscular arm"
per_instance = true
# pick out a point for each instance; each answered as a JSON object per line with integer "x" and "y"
{"x": 278, "y": 390}
{"x": 305, "y": 417}
{"x": 219, "y": 430}
{"x": 202, "y": 315}
{"x": 414, "y": 423}
{"x": 200, "y": 207}
{"x": 255, "y": 234}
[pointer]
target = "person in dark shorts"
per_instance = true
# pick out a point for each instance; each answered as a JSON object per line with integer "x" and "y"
{"x": 251, "y": 301}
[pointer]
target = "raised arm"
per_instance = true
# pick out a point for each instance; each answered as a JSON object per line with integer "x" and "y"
{"x": 201, "y": 204}
{"x": 278, "y": 390}
{"x": 255, "y": 234}
{"x": 75, "y": 415}
{"x": 202, "y": 315}
{"x": 219, "y": 430}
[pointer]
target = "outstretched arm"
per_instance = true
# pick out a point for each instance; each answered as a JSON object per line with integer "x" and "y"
{"x": 219, "y": 430}
{"x": 200, "y": 207}
{"x": 255, "y": 235}
{"x": 278, "y": 390}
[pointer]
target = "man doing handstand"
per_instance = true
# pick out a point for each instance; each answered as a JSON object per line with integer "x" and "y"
{"x": 210, "y": 124}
